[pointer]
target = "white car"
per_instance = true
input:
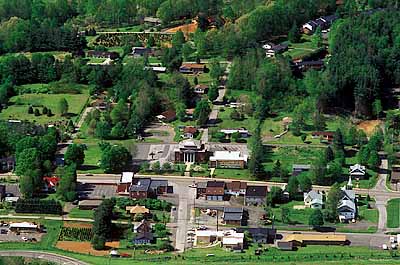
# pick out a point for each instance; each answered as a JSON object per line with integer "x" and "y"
{"x": 193, "y": 186}
{"x": 24, "y": 238}
{"x": 394, "y": 246}
{"x": 202, "y": 227}
{"x": 392, "y": 239}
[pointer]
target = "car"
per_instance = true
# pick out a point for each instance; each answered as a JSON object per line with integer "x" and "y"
{"x": 192, "y": 186}
{"x": 24, "y": 238}
{"x": 394, "y": 246}
{"x": 173, "y": 208}
{"x": 76, "y": 202}
{"x": 89, "y": 175}
{"x": 385, "y": 247}
{"x": 210, "y": 255}
{"x": 202, "y": 227}
{"x": 392, "y": 239}
{"x": 190, "y": 233}
{"x": 3, "y": 231}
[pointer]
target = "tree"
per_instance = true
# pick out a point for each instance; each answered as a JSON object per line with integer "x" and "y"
{"x": 332, "y": 202}
{"x": 201, "y": 112}
{"x": 293, "y": 187}
{"x": 329, "y": 155}
{"x": 30, "y": 110}
{"x": 317, "y": 38}
{"x": 120, "y": 112}
{"x": 319, "y": 121}
{"x": 377, "y": 108}
{"x": 103, "y": 130}
{"x": 303, "y": 137}
{"x": 216, "y": 71}
{"x": 67, "y": 186}
{"x": 363, "y": 155}
{"x": 318, "y": 171}
{"x": 166, "y": 167}
{"x": 178, "y": 40}
{"x": 274, "y": 196}
{"x": 45, "y": 110}
{"x": 156, "y": 167}
{"x": 374, "y": 160}
{"x": 115, "y": 158}
{"x": 102, "y": 223}
{"x": 118, "y": 131}
{"x": 28, "y": 169}
{"x": 37, "y": 112}
{"x": 316, "y": 219}
{"x": 63, "y": 106}
{"x": 75, "y": 154}
{"x": 305, "y": 183}
{"x": 256, "y": 167}
{"x": 294, "y": 34}
{"x": 49, "y": 113}
{"x": 213, "y": 93}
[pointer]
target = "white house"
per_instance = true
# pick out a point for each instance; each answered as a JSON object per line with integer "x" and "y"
{"x": 236, "y": 188}
{"x": 348, "y": 204}
{"x": 357, "y": 170}
{"x": 228, "y": 159}
{"x": 126, "y": 177}
{"x": 243, "y": 132}
{"x": 313, "y": 199}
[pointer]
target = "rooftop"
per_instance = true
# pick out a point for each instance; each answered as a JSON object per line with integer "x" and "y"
{"x": 137, "y": 209}
{"x": 141, "y": 184}
{"x": 318, "y": 237}
{"x": 236, "y": 185}
{"x": 126, "y": 177}
{"x": 215, "y": 184}
{"x": 256, "y": 191}
{"x": 228, "y": 155}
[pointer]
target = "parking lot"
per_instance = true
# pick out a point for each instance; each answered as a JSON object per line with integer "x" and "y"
{"x": 88, "y": 191}
{"x": 6, "y": 235}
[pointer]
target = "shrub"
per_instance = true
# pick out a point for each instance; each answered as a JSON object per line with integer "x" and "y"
{"x": 44, "y": 111}
{"x": 98, "y": 242}
{"x": 38, "y": 206}
{"x": 30, "y": 110}
{"x": 37, "y": 112}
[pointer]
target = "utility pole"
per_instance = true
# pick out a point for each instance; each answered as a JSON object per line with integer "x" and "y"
{"x": 217, "y": 220}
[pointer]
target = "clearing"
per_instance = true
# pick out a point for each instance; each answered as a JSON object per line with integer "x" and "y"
{"x": 86, "y": 247}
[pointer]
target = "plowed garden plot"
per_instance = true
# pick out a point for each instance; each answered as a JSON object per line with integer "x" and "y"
{"x": 78, "y": 225}
{"x": 86, "y": 247}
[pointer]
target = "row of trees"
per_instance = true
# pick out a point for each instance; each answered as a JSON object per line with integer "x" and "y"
{"x": 102, "y": 224}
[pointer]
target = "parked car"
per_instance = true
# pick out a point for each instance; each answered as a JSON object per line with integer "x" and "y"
{"x": 202, "y": 227}
{"x": 3, "y": 231}
{"x": 24, "y": 238}
{"x": 385, "y": 247}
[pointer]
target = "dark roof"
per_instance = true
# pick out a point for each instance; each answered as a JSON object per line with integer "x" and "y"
{"x": 395, "y": 176}
{"x": 310, "y": 63}
{"x": 233, "y": 216}
{"x": 2, "y": 189}
{"x": 140, "y": 50}
{"x": 236, "y": 185}
{"x": 169, "y": 114}
{"x": 190, "y": 129}
{"x": 257, "y": 231}
{"x": 256, "y": 191}
{"x": 330, "y": 18}
{"x": 146, "y": 235}
{"x": 323, "y": 134}
{"x": 141, "y": 184}
{"x": 233, "y": 210}
{"x": 158, "y": 183}
{"x": 285, "y": 245}
{"x": 201, "y": 185}
{"x": 215, "y": 184}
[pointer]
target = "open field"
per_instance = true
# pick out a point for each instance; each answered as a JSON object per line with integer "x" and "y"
{"x": 19, "y": 106}
{"x": 86, "y": 247}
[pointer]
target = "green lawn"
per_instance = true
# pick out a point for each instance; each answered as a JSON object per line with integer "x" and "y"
{"x": 301, "y": 49}
{"x": 96, "y": 60}
{"x": 77, "y": 213}
{"x": 232, "y": 173}
{"x": 393, "y": 213}
{"x": 19, "y": 106}
{"x": 370, "y": 215}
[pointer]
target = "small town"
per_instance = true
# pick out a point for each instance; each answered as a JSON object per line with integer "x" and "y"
{"x": 199, "y": 131}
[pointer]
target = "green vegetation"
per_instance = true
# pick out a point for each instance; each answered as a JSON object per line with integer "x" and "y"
{"x": 78, "y": 213}
{"x": 393, "y": 213}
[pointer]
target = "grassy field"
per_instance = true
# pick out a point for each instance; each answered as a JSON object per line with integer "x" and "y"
{"x": 77, "y": 213}
{"x": 393, "y": 213}
{"x": 19, "y": 106}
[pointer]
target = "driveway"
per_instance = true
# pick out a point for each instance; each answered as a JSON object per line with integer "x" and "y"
{"x": 381, "y": 200}
{"x": 160, "y": 131}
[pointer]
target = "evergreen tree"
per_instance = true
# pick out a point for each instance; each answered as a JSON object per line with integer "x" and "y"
{"x": 294, "y": 34}
{"x": 256, "y": 167}
{"x": 316, "y": 219}
{"x": 332, "y": 202}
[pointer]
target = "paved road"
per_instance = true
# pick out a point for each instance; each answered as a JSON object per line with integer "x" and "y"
{"x": 42, "y": 255}
{"x": 381, "y": 197}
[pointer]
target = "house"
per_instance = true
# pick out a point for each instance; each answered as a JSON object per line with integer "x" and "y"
{"x": 233, "y": 216}
{"x": 271, "y": 50}
{"x": 313, "y": 199}
{"x": 157, "y": 69}
{"x": 236, "y": 188}
{"x": 201, "y": 189}
{"x": 192, "y": 151}
{"x": 234, "y": 241}
{"x": 167, "y": 116}
{"x": 24, "y": 227}
{"x": 304, "y": 66}
{"x": 241, "y": 131}
{"x": 325, "y": 136}
{"x": 255, "y": 195}
{"x": 215, "y": 190}
{"x": 159, "y": 186}
{"x": 140, "y": 189}
{"x": 143, "y": 238}
{"x": 147, "y": 188}
{"x": 140, "y": 51}
{"x": 103, "y": 54}
{"x": 152, "y": 20}
{"x": 189, "y": 132}
{"x": 260, "y": 235}
{"x": 137, "y": 209}
{"x": 125, "y": 182}
{"x": 316, "y": 239}
{"x": 143, "y": 227}
{"x": 347, "y": 207}
{"x": 2, "y": 192}
{"x": 200, "y": 89}
{"x": 192, "y": 68}
{"x": 395, "y": 176}
{"x": 50, "y": 183}
{"x": 297, "y": 169}
{"x": 89, "y": 204}
{"x": 189, "y": 113}
{"x": 323, "y": 23}
{"x": 7, "y": 163}
{"x": 228, "y": 159}
{"x": 357, "y": 171}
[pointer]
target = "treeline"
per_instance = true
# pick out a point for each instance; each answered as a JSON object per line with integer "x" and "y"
{"x": 365, "y": 53}
{"x": 38, "y": 206}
